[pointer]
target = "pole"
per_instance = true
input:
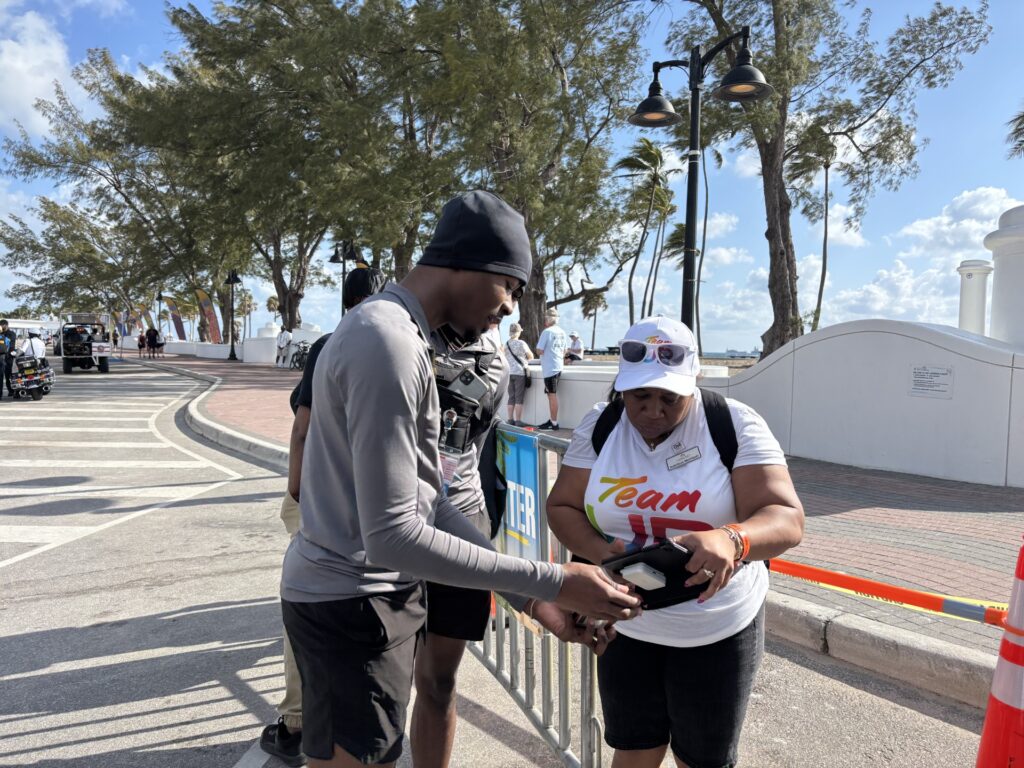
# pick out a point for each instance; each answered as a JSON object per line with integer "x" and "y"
{"x": 692, "y": 177}
{"x": 231, "y": 330}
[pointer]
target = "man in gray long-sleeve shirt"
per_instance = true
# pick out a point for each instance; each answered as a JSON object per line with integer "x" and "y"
{"x": 373, "y": 520}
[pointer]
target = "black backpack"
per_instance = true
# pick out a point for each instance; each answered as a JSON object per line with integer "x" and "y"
{"x": 716, "y": 411}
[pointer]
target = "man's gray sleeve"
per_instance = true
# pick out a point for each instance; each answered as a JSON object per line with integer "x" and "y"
{"x": 383, "y": 432}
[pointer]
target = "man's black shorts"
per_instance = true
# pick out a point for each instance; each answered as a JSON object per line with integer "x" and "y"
{"x": 551, "y": 383}
{"x": 356, "y": 660}
{"x": 457, "y": 612}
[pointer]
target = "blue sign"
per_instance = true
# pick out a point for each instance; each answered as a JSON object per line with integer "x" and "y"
{"x": 517, "y": 460}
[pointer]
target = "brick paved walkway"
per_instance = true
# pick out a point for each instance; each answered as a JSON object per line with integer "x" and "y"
{"x": 942, "y": 536}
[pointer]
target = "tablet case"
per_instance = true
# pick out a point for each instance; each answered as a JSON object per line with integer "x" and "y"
{"x": 669, "y": 558}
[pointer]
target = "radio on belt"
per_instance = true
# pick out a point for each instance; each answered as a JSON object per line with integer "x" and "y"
{"x": 643, "y": 576}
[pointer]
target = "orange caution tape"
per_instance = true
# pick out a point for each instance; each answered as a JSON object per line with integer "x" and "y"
{"x": 915, "y": 598}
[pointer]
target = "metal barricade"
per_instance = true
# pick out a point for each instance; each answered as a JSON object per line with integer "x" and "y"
{"x": 509, "y": 650}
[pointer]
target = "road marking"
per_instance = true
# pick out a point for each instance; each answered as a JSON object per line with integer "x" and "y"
{"x": 110, "y": 524}
{"x": 77, "y": 444}
{"x": 100, "y": 463}
{"x": 41, "y": 534}
{"x": 120, "y": 491}
{"x": 255, "y": 757}
{"x": 76, "y": 430}
{"x": 29, "y": 417}
{"x": 62, "y": 409}
{"x": 156, "y": 432}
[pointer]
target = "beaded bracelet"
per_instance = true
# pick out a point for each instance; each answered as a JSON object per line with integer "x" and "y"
{"x": 739, "y": 538}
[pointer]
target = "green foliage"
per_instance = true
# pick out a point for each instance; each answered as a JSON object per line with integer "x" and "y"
{"x": 1016, "y": 136}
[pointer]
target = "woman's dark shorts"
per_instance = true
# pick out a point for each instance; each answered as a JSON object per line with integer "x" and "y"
{"x": 356, "y": 661}
{"x": 692, "y": 698}
{"x": 516, "y": 390}
{"x": 551, "y": 383}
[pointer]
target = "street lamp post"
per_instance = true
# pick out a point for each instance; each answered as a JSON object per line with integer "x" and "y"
{"x": 159, "y": 309}
{"x": 348, "y": 248}
{"x": 232, "y": 281}
{"x": 743, "y": 83}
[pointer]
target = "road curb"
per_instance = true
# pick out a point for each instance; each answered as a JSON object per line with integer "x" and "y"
{"x": 217, "y": 433}
{"x": 957, "y": 672}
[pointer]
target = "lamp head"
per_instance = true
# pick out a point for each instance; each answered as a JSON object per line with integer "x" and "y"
{"x": 655, "y": 111}
{"x": 336, "y": 256}
{"x": 744, "y": 82}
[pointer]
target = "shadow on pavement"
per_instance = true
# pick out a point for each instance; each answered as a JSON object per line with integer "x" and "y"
{"x": 181, "y": 688}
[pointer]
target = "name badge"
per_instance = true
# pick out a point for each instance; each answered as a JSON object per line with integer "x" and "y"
{"x": 682, "y": 459}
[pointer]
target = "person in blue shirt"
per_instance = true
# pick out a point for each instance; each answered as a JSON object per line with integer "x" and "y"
{"x": 551, "y": 348}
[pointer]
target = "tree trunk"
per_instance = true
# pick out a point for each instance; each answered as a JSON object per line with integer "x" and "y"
{"x": 657, "y": 269}
{"x": 640, "y": 250}
{"x": 593, "y": 333}
{"x": 824, "y": 261}
{"x": 782, "y": 277}
{"x": 402, "y": 253}
{"x": 533, "y": 304}
{"x": 658, "y": 238}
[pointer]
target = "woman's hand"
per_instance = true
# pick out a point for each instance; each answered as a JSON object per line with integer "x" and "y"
{"x": 711, "y": 562}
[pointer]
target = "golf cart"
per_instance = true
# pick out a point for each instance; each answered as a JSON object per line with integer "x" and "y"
{"x": 85, "y": 342}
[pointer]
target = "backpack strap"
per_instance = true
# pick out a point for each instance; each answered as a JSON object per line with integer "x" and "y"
{"x": 605, "y": 424}
{"x": 723, "y": 431}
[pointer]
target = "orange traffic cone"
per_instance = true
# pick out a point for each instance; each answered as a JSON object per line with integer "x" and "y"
{"x": 1002, "y": 738}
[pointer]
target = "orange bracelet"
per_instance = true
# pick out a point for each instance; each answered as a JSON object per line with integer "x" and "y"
{"x": 744, "y": 538}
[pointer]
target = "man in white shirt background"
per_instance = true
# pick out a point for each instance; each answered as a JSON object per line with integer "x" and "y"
{"x": 551, "y": 348}
{"x": 575, "y": 353}
{"x": 33, "y": 346}
{"x": 284, "y": 341}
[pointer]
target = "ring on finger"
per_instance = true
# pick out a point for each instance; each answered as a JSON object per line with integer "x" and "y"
{"x": 710, "y": 574}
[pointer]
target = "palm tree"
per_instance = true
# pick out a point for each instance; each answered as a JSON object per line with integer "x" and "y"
{"x": 646, "y": 166}
{"x": 665, "y": 210}
{"x": 273, "y": 306}
{"x": 591, "y": 306}
{"x": 246, "y": 306}
{"x": 1016, "y": 136}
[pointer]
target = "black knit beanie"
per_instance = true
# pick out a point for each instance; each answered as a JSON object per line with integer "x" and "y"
{"x": 480, "y": 231}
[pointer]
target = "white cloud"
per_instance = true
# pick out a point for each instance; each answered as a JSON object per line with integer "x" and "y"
{"x": 720, "y": 224}
{"x": 32, "y": 56}
{"x": 958, "y": 231}
{"x": 105, "y": 8}
{"x": 747, "y": 164}
{"x": 928, "y": 292}
{"x": 723, "y": 256}
{"x": 838, "y": 232}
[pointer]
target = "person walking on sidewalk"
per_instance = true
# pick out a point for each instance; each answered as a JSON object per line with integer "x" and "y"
{"x": 456, "y": 615}
{"x": 517, "y": 354}
{"x": 551, "y": 347}
{"x": 284, "y": 343}
{"x": 283, "y": 739}
{"x": 374, "y": 521}
{"x": 680, "y": 675}
{"x": 141, "y": 342}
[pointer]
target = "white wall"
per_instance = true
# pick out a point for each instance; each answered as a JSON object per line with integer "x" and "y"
{"x": 845, "y": 394}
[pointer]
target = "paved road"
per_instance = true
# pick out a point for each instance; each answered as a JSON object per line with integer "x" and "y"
{"x": 139, "y": 624}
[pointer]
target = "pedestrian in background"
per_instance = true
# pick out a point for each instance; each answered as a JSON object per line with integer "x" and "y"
{"x": 517, "y": 354}
{"x": 575, "y": 353}
{"x": 551, "y": 347}
{"x": 284, "y": 342}
{"x": 142, "y": 342}
{"x": 283, "y": 739}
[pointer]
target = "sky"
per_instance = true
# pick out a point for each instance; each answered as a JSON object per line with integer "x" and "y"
{"x": 900, "y": 264}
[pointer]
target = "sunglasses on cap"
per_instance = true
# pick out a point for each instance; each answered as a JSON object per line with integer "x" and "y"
{"x": 669, "y": 355}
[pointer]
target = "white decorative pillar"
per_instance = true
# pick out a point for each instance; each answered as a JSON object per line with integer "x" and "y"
{"x": 973, "y": 293}
{"x": 1007, "y": 246}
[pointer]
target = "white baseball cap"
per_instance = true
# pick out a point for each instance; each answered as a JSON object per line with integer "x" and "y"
{"x": 660, "y": 353}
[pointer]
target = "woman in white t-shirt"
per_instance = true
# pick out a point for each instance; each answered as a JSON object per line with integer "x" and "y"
{"x": 679, "y": 675}
{"x": 517, "y": 354}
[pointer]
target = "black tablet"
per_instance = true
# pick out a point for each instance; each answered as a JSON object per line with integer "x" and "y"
{"x": 659, "y": 574}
